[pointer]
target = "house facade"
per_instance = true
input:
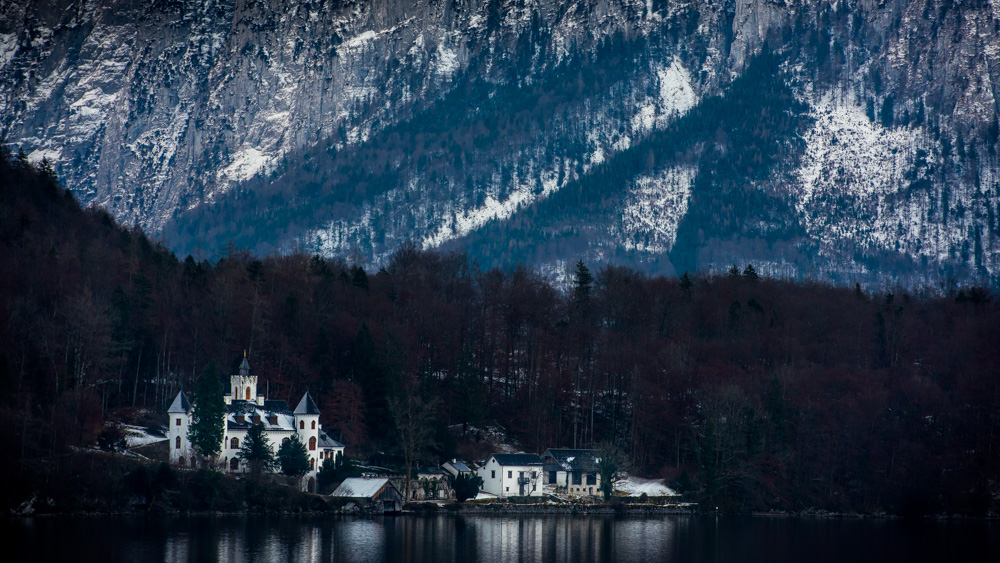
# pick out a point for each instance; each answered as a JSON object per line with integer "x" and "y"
{"x": 244, "y": 408}
{"x": 377, "y": 492}
{"x": 506, "y": 475}
{"x": 572, "y": 472}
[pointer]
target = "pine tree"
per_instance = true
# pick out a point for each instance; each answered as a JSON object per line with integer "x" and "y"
{"x": 293, "y": 457}
{"x": 256, "y": 451}
{"x": 582, "y": 283}
{"x": 206, "y": 429}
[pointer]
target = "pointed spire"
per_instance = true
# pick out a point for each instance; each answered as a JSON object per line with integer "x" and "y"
{"x": 306, "y": 405}
{"x": 180, "y": 404}
{"x": 245, "y": 365}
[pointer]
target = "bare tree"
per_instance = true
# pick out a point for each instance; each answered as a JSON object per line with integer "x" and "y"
{"x": 413, "y": 419}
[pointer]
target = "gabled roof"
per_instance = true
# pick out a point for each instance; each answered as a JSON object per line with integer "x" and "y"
{"x": 457, "y": 466}
{"x": 357, "y": 487}
{"x": 325, "y": 441}
{"x": 571, "y": 460}
{"x": 517, "y": 459}
{"x": 180, "y": 404}
{"x": 307, "y": 405}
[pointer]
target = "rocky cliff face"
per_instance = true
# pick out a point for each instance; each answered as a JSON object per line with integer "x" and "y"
{"x": 531, "y": 130}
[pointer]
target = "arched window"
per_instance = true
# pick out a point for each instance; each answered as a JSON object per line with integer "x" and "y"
{"x": 177, "y": 443}
{"x": 236, "y": 393}
{"x": 312, "y": 464}
{"x": 312, "y": 443}
{"x": 314, "y": 425}
{"x": 181, "y": 460}
{"x": 234, "y": 464}
{"x": 283, "y": 440}
{"x": 302, "y": 425}
{"x": 234, "y": 444}
{"x": 248, "y": 393}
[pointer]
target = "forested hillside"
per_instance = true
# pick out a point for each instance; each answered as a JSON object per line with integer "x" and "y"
{"x": 744, "y": 392}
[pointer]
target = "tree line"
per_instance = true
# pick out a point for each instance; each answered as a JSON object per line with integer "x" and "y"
{"x": 741, "y": 391}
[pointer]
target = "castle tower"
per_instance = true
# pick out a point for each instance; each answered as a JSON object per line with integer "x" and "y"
{"x": 244, "y": 386}
{"x": 307, "y": 426}
{"x": 178, "y": 421}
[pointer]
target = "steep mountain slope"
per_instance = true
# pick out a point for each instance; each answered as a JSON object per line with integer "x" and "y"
{"x": 863, "y": 147}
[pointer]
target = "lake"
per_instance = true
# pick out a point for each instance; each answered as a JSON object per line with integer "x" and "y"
{"x": 495, "y": 538}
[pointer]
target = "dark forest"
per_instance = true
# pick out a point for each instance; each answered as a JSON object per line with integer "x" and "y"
{"x": 740, "y": 391}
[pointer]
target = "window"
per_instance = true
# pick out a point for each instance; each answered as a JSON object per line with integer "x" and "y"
{"x": 534, "y": 474}
{"x": 302, "y": 425}
{"x": 272, "y": 420}
{"x": 552, "y": 477}
{"x": 181, "y": 461}
{"x": 256, "y": 419}
{"x": 248, "y": 393}
{"x": 236, "y": 393}
{"x": 234, "y": 464}
{"x": 178, "y": 422}
{"x": 312, "y": 464}
{"x": 493, "y": 474}
{"x": 576, "y": 478}
{"x": 510, "y": 474}
{"x": 591, "y": 479}
{"x": 312, "y": 443}
{"x": 314, "y": 425}
{"x": 234, "y": 444}
{"x": 177, "y": 443}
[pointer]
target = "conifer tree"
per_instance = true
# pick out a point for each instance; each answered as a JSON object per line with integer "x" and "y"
{"x": 256, "y": 451}
{"x": 206, "y": 429}
{"x": 293, "y": 457}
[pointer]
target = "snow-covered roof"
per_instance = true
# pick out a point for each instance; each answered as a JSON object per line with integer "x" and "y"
{"x": 307, "y": 405}
{"x": 180, "y": 404}
{"x": 247, "y": 410}
{"x": 358, "y": 487}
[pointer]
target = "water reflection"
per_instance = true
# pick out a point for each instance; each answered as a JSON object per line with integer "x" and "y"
{"x": 495, "y": 538}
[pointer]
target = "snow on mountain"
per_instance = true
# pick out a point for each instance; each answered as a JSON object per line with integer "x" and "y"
{"x": 161, "y": 112}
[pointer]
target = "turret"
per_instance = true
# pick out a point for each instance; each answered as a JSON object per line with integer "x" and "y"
{"x": 179, "y": 420}
{"x": 243, "y": 387}
{"x": 307, "y": 426}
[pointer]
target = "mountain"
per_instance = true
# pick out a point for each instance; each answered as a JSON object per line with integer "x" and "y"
{"x": 846, "y": 141}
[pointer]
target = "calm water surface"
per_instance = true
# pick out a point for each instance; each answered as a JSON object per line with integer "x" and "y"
{"x": 489, "y": 538}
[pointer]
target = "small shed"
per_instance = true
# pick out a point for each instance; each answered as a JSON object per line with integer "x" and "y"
{"x": 372, "y": 492}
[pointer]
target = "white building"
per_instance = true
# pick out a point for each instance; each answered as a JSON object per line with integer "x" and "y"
{"x": 506, "y": 475}
{"x": 244, "y": 408}
{"x": 572, "y": 472}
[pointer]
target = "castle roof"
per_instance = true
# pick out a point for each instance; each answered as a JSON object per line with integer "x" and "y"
{"x": 307, "y": 405}
{"x": 180, "y": 404}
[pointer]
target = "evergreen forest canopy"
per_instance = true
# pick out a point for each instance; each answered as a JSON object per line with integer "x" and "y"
{"x": 744, "y": 392}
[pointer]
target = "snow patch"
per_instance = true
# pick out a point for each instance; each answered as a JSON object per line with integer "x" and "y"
{"x": 636, "y": 486}
{"x": 139, "y": 436}
{"x": 8, "y": 48}
{"x": 447, "y": 61}
{"x": 247, "y": 163}
{"x": 654, "y": 208}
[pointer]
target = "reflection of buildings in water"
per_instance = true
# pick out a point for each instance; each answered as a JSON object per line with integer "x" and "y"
{"x": 568, "y": 538}
{"x": 425, "y": 538}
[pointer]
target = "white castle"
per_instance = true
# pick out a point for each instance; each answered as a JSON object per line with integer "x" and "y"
{"x": 244, "y": 408}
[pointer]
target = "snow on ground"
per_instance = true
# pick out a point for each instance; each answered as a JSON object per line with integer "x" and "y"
{"x": 654, "y": 209}
{"x": 138, "y": 436}
{"x": 483, "y": 495}
{"x": 636, "y": 486}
